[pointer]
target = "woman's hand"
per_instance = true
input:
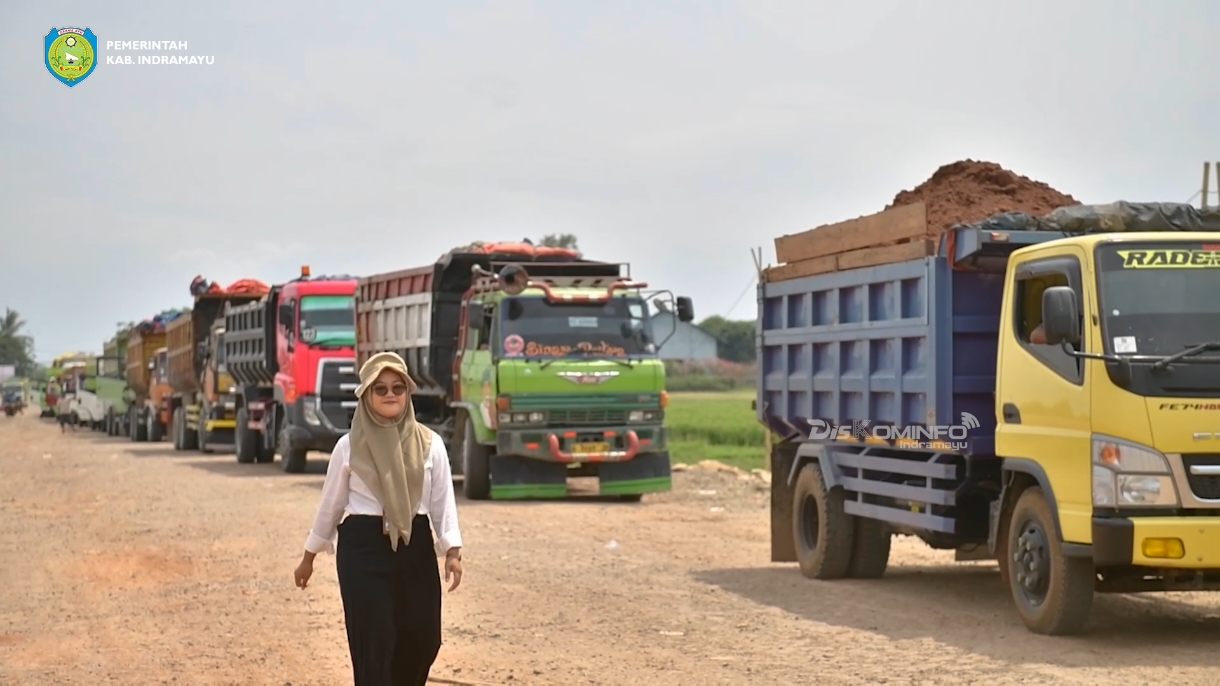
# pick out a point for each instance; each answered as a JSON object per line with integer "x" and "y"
{"x": 453, "y": 567}
{"x": 304, "y": 570}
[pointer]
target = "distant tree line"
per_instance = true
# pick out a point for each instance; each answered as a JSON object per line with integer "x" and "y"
{"x": 734, "y": 338}
{"x": 16, "y": 346}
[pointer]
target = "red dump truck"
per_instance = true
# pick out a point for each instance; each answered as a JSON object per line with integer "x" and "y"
{"x": 291, "y": 356}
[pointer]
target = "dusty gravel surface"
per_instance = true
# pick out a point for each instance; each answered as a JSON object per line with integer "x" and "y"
{"x": 131, "y": 564}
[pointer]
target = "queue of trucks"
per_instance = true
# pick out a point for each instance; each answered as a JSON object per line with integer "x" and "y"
{"x": 1034, "y": 391}
{"x": 533, "y": 365}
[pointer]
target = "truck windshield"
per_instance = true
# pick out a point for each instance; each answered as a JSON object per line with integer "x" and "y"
{"x": 328, "y": 320}
{"x": 533, "y": 327}
{"x": 1158, "y": 298}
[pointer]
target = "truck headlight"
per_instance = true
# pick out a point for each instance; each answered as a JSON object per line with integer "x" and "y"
{"x": 537, "y": 417}
{"x": 520, "y": 417}
{"x": 643, "y": 416}
{"x": 310, "y": 411}
{"x": 505, "y": 418}
{"x": 1130, "y": 475}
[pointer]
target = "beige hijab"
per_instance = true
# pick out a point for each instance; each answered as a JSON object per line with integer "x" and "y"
{"x": 389, "y": 455}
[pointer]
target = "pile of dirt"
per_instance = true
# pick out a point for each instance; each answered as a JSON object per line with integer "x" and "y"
{"x": 969, "y": 191}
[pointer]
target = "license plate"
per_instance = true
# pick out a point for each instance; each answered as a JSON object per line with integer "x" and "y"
{"x": 586, "y": 448}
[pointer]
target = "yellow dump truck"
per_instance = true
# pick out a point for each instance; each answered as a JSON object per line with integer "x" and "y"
{"x": 1042, "y": 392}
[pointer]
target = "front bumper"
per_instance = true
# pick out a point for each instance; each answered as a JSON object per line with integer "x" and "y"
{"x": 562, "y": 445}
{"x": 514, "y": 477}
{"x": 316, "y": 429}
{"x": 1121, "y": 541}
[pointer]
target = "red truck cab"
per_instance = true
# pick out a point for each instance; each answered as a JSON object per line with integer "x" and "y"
{"x": 293, "y": 353}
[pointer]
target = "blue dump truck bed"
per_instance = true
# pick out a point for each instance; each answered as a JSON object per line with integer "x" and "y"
{"x": 900, "y": 358}
{"x": 909, "y": 344}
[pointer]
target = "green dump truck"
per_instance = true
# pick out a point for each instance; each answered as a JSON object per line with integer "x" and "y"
{"x": 533, "y": 365}
{"x": 112, "y": 383}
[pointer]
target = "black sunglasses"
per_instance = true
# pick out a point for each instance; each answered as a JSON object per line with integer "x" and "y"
{"x": 382, "y": 389}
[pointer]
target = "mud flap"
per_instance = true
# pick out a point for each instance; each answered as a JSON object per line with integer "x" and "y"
{"x": 648, "y": 473}
{"x": 783, "y": 546}
{"x": 514, "y": 478}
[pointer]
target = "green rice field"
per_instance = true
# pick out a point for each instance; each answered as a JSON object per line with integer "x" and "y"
{"x": 715, "y": 426}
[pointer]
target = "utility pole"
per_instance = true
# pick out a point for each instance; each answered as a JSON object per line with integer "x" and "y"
{"x": 1206, "y": 183}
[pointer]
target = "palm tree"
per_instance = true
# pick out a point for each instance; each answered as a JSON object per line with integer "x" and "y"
{"x": 15, "y": 346}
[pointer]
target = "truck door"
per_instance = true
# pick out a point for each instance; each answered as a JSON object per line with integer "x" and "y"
{"x": 1042, "y": 398}
{"x": 476, "y": 370}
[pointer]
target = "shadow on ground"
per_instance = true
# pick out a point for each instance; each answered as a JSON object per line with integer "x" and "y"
{"x": 967, "y": 607}
{"x": 227, "y": 465}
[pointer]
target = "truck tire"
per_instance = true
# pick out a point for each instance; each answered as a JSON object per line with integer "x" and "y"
{"x": 265, "y": 452}
{"x": 175, "y": 430}
{"x": 822, "y": 531}
{"x": 155, "y": 430}
{"x": 870, "y": 553}
{"x": 139, "y": 430}
{"x": 190, "y": 437}
{"x": 292, "y": 459}
{"x": 1053, "y": 593}
{"x": 185, "y": 438}
{"x": 202, "y": 435}
{"x": 247, "y": 442}
{"x": 476, "y": 464}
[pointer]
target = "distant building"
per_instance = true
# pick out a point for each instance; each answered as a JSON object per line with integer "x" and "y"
{"x": 688, "y": 341}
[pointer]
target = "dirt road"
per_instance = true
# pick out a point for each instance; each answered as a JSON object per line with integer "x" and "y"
{"x": 131, "y": 564}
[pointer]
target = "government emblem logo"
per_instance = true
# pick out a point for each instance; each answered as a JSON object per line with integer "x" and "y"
{"x": 71, "y": 54}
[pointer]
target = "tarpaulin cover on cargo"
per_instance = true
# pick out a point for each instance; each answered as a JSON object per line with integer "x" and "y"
{"x": 1115, "y": 217}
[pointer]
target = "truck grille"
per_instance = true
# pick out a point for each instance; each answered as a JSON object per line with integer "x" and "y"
{"x": 338, "y": 380}
{"x": 1204, "y": 486}
{"x": 338, "y": 414}
{"x": 337, "y": 389}
{"x": 579, "y": 417}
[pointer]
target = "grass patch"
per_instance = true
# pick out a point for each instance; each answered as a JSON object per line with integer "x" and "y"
{"x": 715, "y": 426}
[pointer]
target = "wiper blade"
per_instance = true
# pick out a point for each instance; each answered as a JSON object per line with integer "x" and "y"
{"x": 1189, "y": 352}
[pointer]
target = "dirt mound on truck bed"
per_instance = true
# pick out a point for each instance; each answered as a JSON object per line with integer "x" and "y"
{"x": 969, "y": 191}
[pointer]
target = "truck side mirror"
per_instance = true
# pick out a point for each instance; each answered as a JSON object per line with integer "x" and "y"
{"x": 686, "y": 309}
{"x": 474, "y": 316}
{"x": 1060, "y": 318}
{"x": 285, "y": 315}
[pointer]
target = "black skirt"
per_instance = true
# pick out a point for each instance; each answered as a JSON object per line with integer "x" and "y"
{"x": 391, "y": 602}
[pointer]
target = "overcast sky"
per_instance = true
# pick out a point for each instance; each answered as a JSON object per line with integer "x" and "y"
{"x": 673, "y": 135}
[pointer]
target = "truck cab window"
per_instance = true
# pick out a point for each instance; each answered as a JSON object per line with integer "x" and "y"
{"x": 484, "y": 338}
{"x": 478, "y": 339}
{"x": 1028, "y": 318}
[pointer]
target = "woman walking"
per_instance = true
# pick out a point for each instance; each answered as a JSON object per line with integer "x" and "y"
{"x": 391, "y": 475}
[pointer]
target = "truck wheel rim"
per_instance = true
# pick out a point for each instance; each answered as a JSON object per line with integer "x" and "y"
{"x": 1031, "y": 562}
{"x": 809, "y": 522}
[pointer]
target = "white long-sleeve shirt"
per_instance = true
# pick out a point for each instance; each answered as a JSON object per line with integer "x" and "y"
{"x": 345, "y": 492}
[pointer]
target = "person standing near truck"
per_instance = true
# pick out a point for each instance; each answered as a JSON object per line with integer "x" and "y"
{"x": 391, "y": 475}
{"x": 63, "y": 413}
